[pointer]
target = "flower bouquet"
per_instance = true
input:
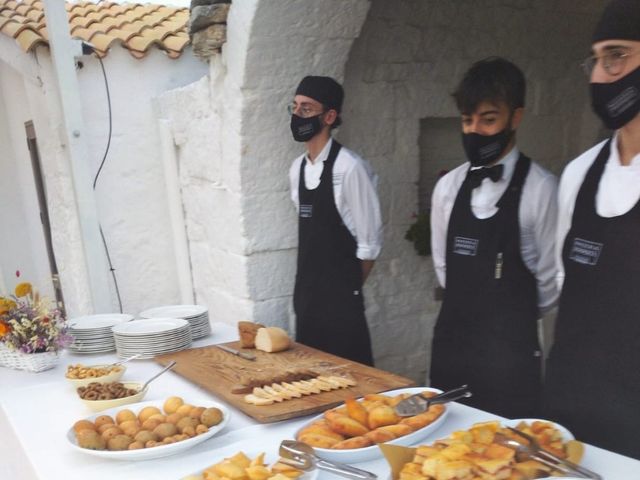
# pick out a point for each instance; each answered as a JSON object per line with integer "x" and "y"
{"x": 31, "y": 332}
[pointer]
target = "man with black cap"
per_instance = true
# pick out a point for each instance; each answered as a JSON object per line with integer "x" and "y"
{"x": 593, "y": 380}
{"x": 339, "y": 226}
{"x": 492, "y": 232}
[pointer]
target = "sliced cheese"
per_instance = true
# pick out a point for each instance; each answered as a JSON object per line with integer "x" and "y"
{"x": 254, "y": 400}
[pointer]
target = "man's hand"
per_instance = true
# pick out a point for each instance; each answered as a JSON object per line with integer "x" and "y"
{"x": 367, "y": 266}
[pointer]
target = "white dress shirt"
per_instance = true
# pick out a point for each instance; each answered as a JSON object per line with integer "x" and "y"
{"x": 537, "y": 217}
{"x": 618, "y": 191}
{"x": 354, "y": 190}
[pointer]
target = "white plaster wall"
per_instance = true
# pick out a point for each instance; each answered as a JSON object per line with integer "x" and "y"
{"x": 234, "y": 155}
{"x": 234, "y": 145}
{"x": 22, "y": 244}
{"x": 402, "y": 69}
{"x": 288, "y": 41}
{"x": 132, "y": 203}
{"x": 131, "y": 195}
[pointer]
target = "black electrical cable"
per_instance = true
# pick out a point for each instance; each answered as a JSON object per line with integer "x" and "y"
{"x": 95, "y": 181}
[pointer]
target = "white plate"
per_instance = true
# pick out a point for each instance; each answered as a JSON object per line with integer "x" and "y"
{"x": 149, "y": 326}
{"x": 566, "y": 434}
{"x": 94, "y": 322}
{"x": 154, "y": 452}
{"x": 169, "y": 336}
{"x": 251, "y": 451}
{"x": 175, "y": 311}
{"x": 356, "y": 455}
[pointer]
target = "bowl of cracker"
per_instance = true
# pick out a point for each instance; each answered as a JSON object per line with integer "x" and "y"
{"x": 82, "y": 375}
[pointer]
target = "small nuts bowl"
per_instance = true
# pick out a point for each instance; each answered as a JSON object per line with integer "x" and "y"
{"x": 99, "y": 405}
{"x": 114, "y": 376}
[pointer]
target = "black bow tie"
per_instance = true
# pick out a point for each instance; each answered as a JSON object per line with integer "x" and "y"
{"x": 478, "y": 174}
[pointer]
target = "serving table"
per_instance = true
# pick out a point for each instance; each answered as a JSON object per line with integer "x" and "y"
{"x": 37, "y": 410}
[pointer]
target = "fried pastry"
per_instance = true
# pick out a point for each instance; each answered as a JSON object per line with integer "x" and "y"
{"x": 321, "y": 428}
{"x": 398, "y": 430}
{"x": 381, "y": 416}
{"x": 346, "y": 426}
{"x": 355, "y": 442}
{"x": 356, "y": 411}
{"x": 319, "y": 441}
{"x": 380, "y": 436}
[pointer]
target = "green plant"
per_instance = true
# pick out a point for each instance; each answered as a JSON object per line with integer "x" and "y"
{"x": 420, "y": 234}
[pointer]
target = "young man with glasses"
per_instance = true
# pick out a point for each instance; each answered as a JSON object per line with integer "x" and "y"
{"x": 493, "y": 227}
{"x": 593, "y": 376}
{"x": 339, "y": 226}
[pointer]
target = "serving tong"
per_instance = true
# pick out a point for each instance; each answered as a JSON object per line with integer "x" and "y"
{"x": 532, "y": 449}
{"x": 302, "y": 456}
{"x": 416, "y": 404}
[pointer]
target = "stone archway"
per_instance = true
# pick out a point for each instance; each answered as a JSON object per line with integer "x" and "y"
{"x": 399, "y": 65}
{"x": 234, "y": 150}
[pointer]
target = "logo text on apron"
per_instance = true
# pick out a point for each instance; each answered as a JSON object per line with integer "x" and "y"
{"x": 585, "y": 251}
{"x": 306, "y": 211}
{"x": 465, "y": 246}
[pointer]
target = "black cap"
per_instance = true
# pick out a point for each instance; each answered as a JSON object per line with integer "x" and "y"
{"x": 620, "y": 21}
{"x": 324, "y": 90}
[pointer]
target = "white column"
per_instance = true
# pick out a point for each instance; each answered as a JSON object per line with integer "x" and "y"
{"x": 63, "y": 51}
{"x": 176, "y": 212}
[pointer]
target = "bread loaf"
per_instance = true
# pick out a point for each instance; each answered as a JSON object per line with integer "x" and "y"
{"x": 247, "y": 332}
{"x": 272, "y": 339}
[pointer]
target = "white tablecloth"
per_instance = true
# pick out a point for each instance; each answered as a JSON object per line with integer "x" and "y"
{"x": 37, "y": 409}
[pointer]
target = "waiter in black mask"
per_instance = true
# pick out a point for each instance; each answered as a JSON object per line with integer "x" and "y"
{"x": 339, "y": 226}
{"x": 593, "y": 383}
{"x": 493, "y": 224}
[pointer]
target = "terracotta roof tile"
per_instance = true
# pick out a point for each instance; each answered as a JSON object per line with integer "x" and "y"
{"x": 136, "y": 27}
{"x": 3, "y": 20}
{"x": 123, "y": 35}
{"x": 22, "y": 8}
{"x": 35, "y": 15}
{"x": 176, "y": 42}
{"x": 8, "y": 13}
{"x": 13, "y": 29}
{"x": 28, "y": 39}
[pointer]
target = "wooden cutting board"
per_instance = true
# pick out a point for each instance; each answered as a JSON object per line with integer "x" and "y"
{"x": 219, "y": 372}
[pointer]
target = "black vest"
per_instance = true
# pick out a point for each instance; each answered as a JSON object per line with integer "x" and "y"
{"x": 328, "y": 298}
{"x": 593, "y": 376}
{"x": 486, "y": 333}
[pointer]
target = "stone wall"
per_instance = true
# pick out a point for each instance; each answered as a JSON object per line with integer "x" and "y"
{"x": 234, "y": 150}
{"x": 402, "y": 59}
{"x": 400, "y": 74}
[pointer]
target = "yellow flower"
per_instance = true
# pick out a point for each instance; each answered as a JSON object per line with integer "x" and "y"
{"x": 6, "y": 305}
{"x": 23, "y": 289}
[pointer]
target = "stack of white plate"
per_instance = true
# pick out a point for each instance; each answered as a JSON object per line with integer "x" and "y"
{"x": 92, "y": 333}
{"x": 196, "y": 315}
{"x": 152, "y": 336}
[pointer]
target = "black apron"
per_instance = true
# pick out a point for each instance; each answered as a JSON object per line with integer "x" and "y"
{"x": 486, "y": 335}
{"x": 328, "y": 298}
{"x": 593, "y": 375}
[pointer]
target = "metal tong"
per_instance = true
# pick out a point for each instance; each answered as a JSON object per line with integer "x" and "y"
{"x": 416, "y": 404}
{"x": 302, "y": 456}
{"x": 533, "y": 450}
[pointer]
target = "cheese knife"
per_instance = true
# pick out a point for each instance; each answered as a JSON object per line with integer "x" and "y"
{"x": 245, "y": 355}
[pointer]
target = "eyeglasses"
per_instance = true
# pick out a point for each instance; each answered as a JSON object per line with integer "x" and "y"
{"x": 613, "y": 61}
{"x": 304, "y": 110}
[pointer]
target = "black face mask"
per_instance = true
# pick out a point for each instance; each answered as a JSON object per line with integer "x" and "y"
{"x": 617, "y": 103}
{"x": 304, "y": 129}
{"x": 482, "y": 150}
